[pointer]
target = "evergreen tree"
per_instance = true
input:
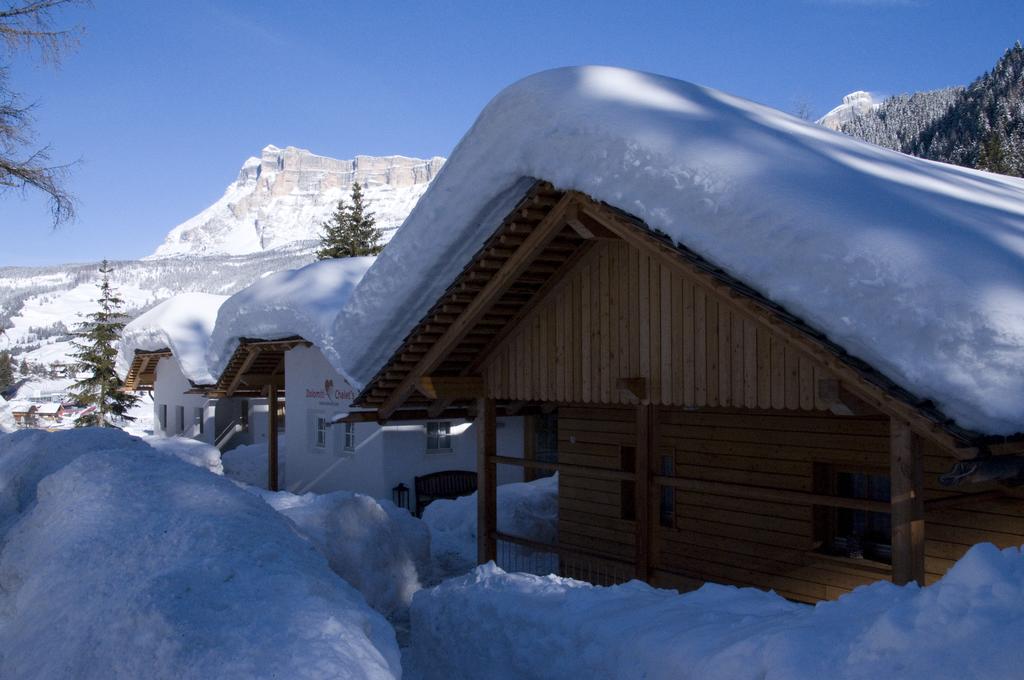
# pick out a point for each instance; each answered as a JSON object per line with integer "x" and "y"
{"x": 6, "y": 369}
{"x": 96, "y": 351}
{"x": 351, "y": 231}
{"x": 24, "y": 367}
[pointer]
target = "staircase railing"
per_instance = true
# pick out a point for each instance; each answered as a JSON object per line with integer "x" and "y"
{"x": 228, "y": 433}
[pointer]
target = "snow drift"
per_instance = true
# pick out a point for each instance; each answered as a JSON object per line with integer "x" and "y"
{"x": 497, "y": 625}
{"x": 120, "y": 562}
{"x": 380, "y": 549}
{"x": 525, "y": 509}
{"x": 181, "y": 324}
{"x": 300, "y": 302}
{"x": 916, "y": 267}
{"x": 191, "y": 451}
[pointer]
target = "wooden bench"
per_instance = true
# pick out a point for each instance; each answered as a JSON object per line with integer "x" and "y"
{"x": 445, "y": 484}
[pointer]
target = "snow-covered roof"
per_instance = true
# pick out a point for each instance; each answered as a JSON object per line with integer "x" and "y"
{"x": 181, "y": 324}
{"x": 914, "y": 266}
{"x": 50, "y": 409}
{"x": 300, "y": 302}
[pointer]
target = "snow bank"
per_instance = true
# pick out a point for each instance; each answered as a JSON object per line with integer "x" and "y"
{"x": 248, "y": 463}
{"x": 121, "y": 562}
{"x": 525, "y": 509}
{"x": 191, "y": 451}
{"x": 497, "y": 625}
{"x": 915, "y": 266}
{"x": 378, "y": 548}
{"x": 181, "y": 324}
{"x": 302, "y": 302}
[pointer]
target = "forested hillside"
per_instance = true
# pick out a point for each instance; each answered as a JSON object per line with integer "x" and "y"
{"x": 978, "y": 126}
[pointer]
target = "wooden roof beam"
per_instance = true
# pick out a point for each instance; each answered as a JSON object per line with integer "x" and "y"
{"x": 542, "y": 234}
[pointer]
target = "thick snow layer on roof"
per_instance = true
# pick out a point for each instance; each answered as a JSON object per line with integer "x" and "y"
{"x": 182, "y": 324}
{"x": 302, "y": 302}
{"x": 497, "y": 625}
{"x": 912, "y": 265}
{"x": 117, "y": 561}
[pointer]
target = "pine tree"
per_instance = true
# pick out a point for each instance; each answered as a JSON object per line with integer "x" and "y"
{"x": 24, "y": 368}
{"x": 351, "y": 231}
{"x": 6, "y": 369}
{"x": 96, "y": 351}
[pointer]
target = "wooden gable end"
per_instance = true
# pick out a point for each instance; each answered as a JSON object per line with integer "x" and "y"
{"x": 142, "y": 372}
{"x": 624, "y": 327}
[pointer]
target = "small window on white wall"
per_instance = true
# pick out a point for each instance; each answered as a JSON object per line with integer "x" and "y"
{"x": 198, "y": 415}
{"x": 181, "y": 419}
{"x": 162, "y": 416}
{"x": 350, "y": 436}
{"x": 320, "y": 432}
{"x": 439, "y": 436}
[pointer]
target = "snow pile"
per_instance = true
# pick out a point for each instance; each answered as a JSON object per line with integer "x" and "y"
{"x": 181, "y": 324}
{"x": 525, "y": 509}
{"x": 249, "y": 464}
{"x": 191, "y": 451}
{"x": 300, "y": 302}
{"x": 924, "y": 260}
{"x": 121, "y": 562}
{"x": 379, "y": 548}
{"x": 497, "y": 625}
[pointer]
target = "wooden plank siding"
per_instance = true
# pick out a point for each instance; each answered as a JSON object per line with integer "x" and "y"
{"x": 726, "y": 539}
{"x": 589, "y": 509}
{"x": 621, "y": 313}
{"x": 764, "y": 544}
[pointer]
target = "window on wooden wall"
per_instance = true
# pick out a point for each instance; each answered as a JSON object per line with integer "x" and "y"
{"x": 439, "y": 436}
{"x": 846, "y": 532}
{"x": 667, "y": 514}
{"x": 627, "y": 487}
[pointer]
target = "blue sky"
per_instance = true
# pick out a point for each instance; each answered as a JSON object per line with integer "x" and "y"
{"x": 164, "y": 101}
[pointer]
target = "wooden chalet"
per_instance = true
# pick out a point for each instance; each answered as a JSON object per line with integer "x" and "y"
{"x": 703, "y": 432}
{"x": 257, "y": 369}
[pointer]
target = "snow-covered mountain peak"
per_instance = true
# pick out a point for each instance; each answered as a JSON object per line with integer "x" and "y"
{"x": 854, "y": 105}
{"x": 285, "y": 194}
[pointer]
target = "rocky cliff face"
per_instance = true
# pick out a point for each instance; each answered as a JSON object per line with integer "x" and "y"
{"x": 283, "y": 196}
{"x": 855, "y": 105}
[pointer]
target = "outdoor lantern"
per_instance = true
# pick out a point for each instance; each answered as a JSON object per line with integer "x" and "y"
{"x": 400, "y": 494}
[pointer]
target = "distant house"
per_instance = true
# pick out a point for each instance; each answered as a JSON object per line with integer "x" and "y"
{"x": 52, "y": 412}
{"x": 749, "y": 335}
{"x": 273, "y": 340}
{"x": 25, "y": 414}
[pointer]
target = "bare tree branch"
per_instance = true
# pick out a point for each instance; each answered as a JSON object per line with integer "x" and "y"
{"x": 29, "y": 25}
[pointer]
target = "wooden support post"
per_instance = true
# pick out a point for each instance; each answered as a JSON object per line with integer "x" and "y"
{"x": 907, "y": 480}
{"x": 272, "y": 439}
{"x": 644, "y": 436}
{"x": 487, "y": 489}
